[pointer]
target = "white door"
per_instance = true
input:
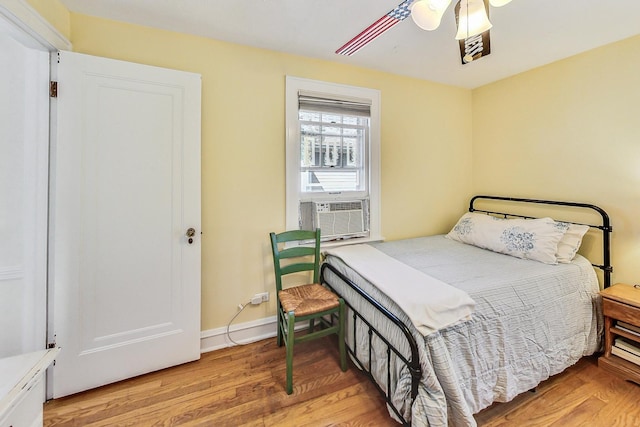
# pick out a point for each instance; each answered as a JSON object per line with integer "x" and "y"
{"x": 24, "y": 147}
{"x": 125, "y": 190}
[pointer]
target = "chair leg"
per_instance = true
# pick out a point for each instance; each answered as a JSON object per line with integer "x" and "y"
{"x": 290, "y": 339}
{"x": 341, "y": 344}
{"x": 279, "y": 315}
{"x": 311, "y": 325}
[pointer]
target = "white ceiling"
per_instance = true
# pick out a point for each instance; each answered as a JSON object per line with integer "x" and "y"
{"x": 525, "y": 34}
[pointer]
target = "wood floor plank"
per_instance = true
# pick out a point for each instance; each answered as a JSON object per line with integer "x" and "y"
{"x": 581, "y": 414}
{"x": 244, "y": 386}
{"x": 552, "y": 403}
{"x": 572, "y": 390}
{"x": 98, "y": 398}
{"x": 313, "y": 412}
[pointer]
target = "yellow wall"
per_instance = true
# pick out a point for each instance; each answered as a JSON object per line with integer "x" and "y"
{"x": 569, "y": 130}
{"x": 54, "y": 12}
{"x": 425, "y": 143}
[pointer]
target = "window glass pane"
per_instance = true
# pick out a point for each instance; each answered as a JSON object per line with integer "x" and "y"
{"x": 350, "y": 120}
{"x": 331, "y": 118}
{"x": 331, "y": 130}
{"x": 311, "y": 116}
{"x": 333, "y": 181}
{"x": 332, "y": 152}
{"x": 309, "y": 129}
{"x": 309, "y": 151}
{"x": 350, "y": 152}
{"x": 349, "y": 131}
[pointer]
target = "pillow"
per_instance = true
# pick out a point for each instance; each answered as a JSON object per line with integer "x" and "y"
{"x": 571, "y": 241}
{"x": 534, "y": 239}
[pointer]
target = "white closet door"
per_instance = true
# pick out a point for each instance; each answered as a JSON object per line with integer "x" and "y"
{"x": 126, "y": 188}
{"x": 24, "y": 139}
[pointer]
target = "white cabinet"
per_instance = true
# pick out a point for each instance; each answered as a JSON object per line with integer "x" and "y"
{"x": 22, "y": 388}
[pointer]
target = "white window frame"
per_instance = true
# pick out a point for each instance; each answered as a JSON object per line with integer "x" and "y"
{"x": 293, "y": 186}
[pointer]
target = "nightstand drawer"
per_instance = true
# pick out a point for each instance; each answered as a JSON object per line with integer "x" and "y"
{"x": 620, "y": 311}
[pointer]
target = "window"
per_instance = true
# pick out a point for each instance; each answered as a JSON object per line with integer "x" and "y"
{"x": 333, "y": 147}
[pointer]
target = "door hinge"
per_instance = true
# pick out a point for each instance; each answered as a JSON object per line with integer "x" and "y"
{"x": 53, "y": 89}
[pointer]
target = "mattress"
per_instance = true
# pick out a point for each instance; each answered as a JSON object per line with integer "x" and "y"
{"x": 531, "y": 321}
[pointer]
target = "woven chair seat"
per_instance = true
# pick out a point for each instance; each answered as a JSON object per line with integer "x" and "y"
{"x": 307, "y": 299}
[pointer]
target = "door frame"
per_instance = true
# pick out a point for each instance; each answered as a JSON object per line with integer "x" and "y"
{"x": 28, "y": 27}
{"x": 31, "y": 29}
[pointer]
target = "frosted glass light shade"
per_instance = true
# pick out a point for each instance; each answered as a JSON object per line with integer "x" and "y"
{"x": 472, "y": 19}
{"x": 427, "y": 14}
{"x": 498, "y": 3}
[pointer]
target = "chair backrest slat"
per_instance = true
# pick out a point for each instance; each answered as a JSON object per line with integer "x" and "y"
{"x": 298, "y": 251}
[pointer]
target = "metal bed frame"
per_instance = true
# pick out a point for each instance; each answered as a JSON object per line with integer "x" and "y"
{"x": 412, "y": 361}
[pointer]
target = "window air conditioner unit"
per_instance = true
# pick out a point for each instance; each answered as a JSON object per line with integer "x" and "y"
{"x": 339, "y": 219}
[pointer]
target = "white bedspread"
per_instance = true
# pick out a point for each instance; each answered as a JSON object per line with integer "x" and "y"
{"x": 430, "y": 303}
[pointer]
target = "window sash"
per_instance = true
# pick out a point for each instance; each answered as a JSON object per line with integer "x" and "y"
{"x": 320, "y": 173}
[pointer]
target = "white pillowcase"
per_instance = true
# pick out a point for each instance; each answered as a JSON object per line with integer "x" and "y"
{"x": 571, "y": 241}
{"x": 535, "y": 239}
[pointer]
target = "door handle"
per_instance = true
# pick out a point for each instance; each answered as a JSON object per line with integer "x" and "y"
{"x": 190, "y": 233}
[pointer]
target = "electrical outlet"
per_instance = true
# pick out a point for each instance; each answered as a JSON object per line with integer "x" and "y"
{"x": 260, "y": 298}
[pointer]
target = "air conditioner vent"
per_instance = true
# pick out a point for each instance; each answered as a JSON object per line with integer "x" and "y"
{"x": 345, "y": 206}
{"x": 336, "y": 219}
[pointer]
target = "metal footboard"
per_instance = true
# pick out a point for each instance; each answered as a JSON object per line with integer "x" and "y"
{"x": 412, "y": 362}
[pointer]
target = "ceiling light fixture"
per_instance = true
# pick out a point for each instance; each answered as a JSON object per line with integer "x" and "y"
{"x": 472, "y": 20}
{"x": 427, "y": 14}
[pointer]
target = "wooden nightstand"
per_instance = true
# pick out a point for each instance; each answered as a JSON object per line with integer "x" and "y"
{"x": 621, "y": 303}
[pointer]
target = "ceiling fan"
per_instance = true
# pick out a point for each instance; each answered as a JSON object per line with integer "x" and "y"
{"x": 471, "y": 17}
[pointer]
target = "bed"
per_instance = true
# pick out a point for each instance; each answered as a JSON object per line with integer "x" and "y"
{"x": 516, "y": 321}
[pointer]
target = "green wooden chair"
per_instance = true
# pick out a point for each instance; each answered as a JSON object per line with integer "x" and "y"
{"x": 307, "y": 302}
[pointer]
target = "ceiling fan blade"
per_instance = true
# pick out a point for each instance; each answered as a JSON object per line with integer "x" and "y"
{"x": 386, "y": 22}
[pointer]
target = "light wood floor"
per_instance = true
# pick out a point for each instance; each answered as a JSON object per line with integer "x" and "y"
{"x": 244, "y": 386}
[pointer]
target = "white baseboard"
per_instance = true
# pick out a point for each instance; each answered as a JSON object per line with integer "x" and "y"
{"x": 242, "y": 333}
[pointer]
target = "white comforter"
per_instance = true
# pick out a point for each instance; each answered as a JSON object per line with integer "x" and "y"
{"x": 430, "y": 303}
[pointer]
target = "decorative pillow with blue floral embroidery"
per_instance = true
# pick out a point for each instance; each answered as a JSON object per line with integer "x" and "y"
{"x": 534, "y": 239}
